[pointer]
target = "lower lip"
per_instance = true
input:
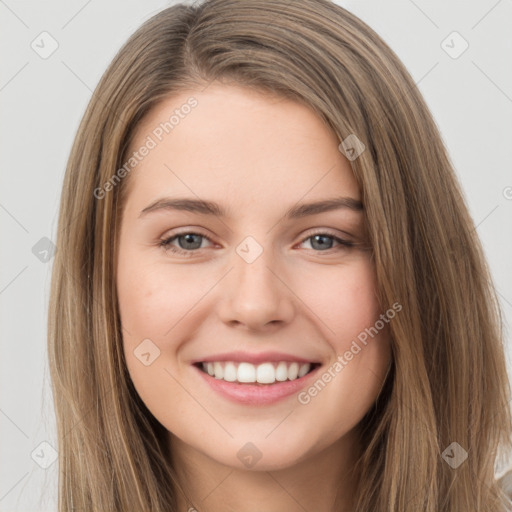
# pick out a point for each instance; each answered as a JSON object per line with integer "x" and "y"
{"x": 256, "y": 394}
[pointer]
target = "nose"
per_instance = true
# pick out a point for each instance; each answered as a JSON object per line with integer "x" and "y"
{"x": 255, "y": 296}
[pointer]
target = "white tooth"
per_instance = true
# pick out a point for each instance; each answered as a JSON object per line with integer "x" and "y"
{"x": 304, "y": 368}
{"x": 293, "y": 371}
{"x": 218, "y": 371}
{"x": 265, "y": 373}
{"x": 246, "y": 372}
{"x": 230, "y": 372}
{"x": 281, "y": 372}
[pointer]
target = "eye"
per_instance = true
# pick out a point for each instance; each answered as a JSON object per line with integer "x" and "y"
{"x": 324, "y": 242}
{"x": 188, "y": 241}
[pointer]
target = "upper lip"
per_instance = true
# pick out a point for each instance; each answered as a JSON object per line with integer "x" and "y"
{"x": 253, "y": 358}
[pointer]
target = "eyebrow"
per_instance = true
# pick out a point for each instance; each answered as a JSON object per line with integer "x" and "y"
{"x": 205, "y": 207}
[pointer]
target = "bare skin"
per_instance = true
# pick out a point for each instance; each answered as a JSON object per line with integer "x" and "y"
{"x": 308, "y": 296}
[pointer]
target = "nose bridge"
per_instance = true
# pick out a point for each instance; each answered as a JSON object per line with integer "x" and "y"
{"x": 252, "y": 263}
{"x": 254, "y": 295}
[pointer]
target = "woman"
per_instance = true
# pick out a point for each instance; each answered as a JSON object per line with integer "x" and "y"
{"x": 262, "y": 368}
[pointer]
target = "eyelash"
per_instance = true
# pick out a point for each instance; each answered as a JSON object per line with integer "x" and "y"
{"x": 166, "y": 243}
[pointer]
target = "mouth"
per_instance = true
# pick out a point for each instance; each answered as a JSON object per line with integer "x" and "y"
{"x": 264, "y": 374}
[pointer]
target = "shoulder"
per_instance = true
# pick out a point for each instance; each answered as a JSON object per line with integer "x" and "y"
{"x": 505, "y": 483}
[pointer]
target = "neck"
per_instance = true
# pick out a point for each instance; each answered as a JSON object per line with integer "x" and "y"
{"x": 323, "y": 482}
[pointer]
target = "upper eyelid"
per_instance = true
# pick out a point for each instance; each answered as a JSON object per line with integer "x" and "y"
{"x": 187, "y": 232}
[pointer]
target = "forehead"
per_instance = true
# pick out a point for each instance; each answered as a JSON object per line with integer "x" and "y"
{"x": 230, "y": 143}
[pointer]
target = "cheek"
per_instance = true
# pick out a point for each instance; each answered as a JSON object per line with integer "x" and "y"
{"x": 160, "y": 308}
{"x": 359, "y": 340}
{"x": 151, "y": 308}
{"x": 151, "y": 299}
{"x": 355, "y": 307}
{"x": 343, "y": 299}
{"x": 362, "y": 337}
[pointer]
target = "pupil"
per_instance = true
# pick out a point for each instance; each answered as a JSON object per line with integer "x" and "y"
{"x": 189, "y": 238}
{"x": 317, "y": 238}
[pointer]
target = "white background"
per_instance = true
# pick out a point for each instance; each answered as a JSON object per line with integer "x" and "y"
{"x": 42, "y": 103}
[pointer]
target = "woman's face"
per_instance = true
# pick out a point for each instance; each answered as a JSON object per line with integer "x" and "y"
{"x": 251, "y": 284}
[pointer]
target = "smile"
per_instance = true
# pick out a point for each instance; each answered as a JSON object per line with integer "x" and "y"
{"x": 264, "y": 373}
{"x": 256, "y": 384}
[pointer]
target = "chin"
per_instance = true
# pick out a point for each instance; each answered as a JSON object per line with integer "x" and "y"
{"x": 253, "y": 453}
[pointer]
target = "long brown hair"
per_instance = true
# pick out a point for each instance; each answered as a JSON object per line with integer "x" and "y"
{"x": 448, "y": 382}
